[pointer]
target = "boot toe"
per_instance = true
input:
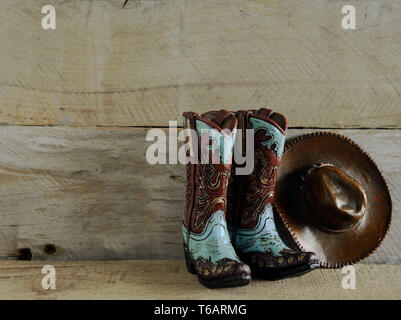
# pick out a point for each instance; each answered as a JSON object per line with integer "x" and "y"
{"x": 242, "y": 270}
{"x": 224, "y": 275}
{"x": 312, "y": 260}
{"x": 270, "y": 267}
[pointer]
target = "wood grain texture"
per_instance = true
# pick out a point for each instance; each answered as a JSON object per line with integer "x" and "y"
{"x": 169, "y": 279}
{"x": 91, "y": 193}
{"x": 146, "y": 63}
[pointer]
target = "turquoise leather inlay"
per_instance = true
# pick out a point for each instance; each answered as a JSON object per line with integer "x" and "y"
{"x": 213, "y": 243}
{"x": 264, "y": 237}
{"x": 277, "y": 138}
{"x": 220, "y": 141}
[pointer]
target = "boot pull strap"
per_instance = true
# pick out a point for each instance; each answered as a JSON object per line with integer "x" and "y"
{"x": 266, "y": 112}
{"x": 189, "y": 123}
{"x": 222, "y": 115}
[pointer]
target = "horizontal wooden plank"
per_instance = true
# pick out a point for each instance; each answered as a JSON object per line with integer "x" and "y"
{"x": 145, "y": 63}
{"x": 169, "y": 279}
{"x": 91, "y": 193}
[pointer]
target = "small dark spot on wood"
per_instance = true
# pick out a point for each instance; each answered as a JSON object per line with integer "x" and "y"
{"x": 175, "y": 177}
{"x": 79, "y": 172}
{"x": 24, "y": 254}
{"x": 50, "y": 249}
{"x": 62, "y": 108}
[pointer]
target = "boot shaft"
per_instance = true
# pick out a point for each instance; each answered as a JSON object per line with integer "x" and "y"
{"x": 248, "y": 195}
{"x": 211, "y": 143}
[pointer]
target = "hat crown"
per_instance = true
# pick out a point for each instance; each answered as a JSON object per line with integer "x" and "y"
{"x": 336, "y": 201}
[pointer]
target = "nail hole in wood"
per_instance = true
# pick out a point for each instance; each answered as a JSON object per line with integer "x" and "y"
{"x": 50, "y": 249}
{"x": 24, "y": 254}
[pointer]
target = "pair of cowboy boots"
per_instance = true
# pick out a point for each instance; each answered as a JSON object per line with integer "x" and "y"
{"x": 228, "y": 235}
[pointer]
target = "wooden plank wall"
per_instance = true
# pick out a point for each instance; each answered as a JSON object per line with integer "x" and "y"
{"x": 145, "y": 63}
{"x": 89, "y": 191}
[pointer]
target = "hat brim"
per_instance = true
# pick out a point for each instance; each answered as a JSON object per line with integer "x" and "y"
{"x": 333, "y": 250}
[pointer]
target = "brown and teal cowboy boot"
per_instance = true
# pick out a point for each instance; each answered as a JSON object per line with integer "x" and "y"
{"x": 208, "y": 250}
{"x": 250, "y": 212}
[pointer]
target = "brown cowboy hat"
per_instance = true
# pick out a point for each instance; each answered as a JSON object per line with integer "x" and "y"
{"x": 332, "y": 198}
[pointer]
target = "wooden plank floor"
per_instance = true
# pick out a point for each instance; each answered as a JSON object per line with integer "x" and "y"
{"x": 168, "y": 279}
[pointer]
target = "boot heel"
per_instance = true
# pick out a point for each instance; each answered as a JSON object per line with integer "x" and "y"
{"x": 190, "y": 263}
